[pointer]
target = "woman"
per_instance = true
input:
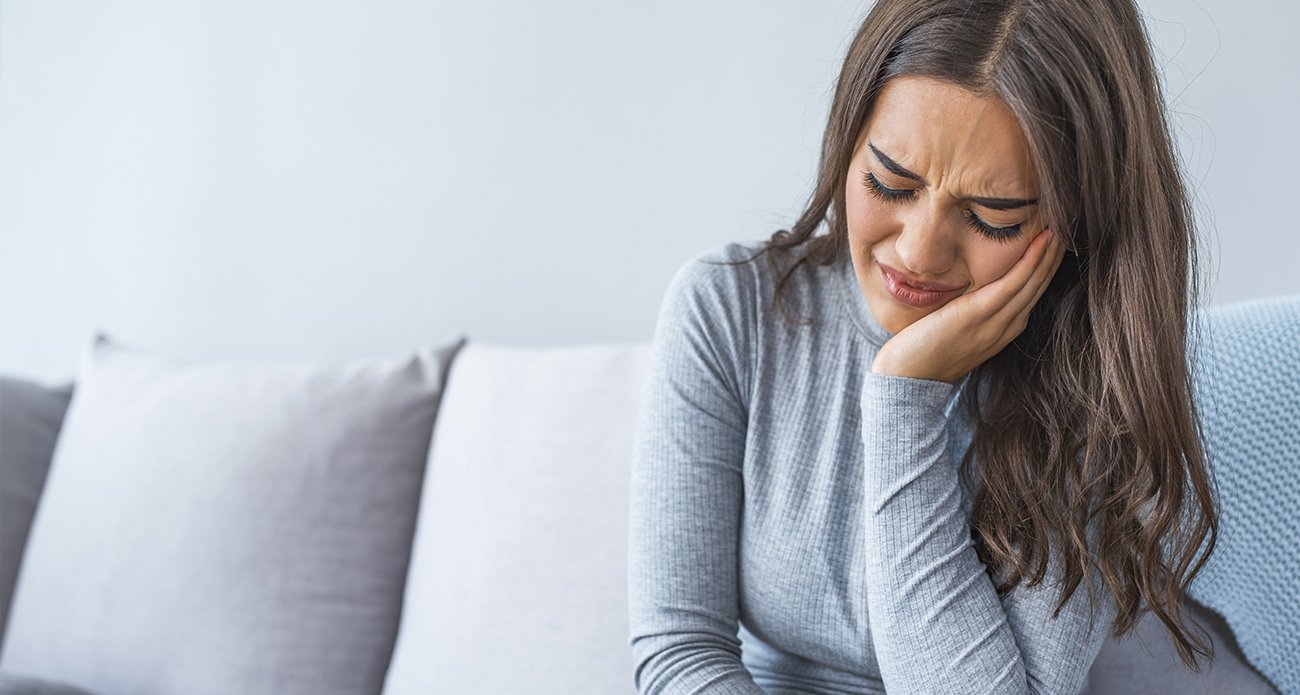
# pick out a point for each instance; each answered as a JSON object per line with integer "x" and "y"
{"x": 986, "y": 404}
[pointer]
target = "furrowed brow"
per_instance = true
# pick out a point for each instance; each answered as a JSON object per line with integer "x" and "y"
{"x": 896, "y": 167}
{"x": 991, "y": 203}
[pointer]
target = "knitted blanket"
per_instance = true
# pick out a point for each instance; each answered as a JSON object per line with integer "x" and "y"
{"x": 1248, "y": 390}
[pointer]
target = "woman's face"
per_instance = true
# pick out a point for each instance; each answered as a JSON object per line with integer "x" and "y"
{"x": 941, "y": 190}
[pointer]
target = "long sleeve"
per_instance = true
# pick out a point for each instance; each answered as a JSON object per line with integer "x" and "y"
{"x": 938, "y": 624}
{"x": 687, "y": 491}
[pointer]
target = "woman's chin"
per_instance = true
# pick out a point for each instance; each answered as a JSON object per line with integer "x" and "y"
{"x": 895, "y": 316}
{"x": 895, "y": 327}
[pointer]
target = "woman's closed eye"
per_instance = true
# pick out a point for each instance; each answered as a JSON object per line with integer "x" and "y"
{"x": 896, "y": 195}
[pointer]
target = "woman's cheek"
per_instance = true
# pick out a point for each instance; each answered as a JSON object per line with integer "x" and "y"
{"x": 854, "y": 209}
{"x": 996, "y": 262}
{"x": 867, "y": 219}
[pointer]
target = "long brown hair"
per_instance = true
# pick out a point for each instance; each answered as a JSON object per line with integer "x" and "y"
{"x": 1087, "y": 420}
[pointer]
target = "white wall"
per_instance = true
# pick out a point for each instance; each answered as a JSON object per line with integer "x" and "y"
{"x": 323, "y": 180}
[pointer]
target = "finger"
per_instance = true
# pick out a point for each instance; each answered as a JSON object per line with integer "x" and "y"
{"x": 1002, "y": 291}
{"x": 998, "y": 294}
{"x": 1028, "y": 297}
{"x": 1042, "y": 275}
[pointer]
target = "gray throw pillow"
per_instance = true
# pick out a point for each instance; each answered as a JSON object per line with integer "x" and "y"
{"x": 226, "y": 527}
{"x": 30, "y": 417}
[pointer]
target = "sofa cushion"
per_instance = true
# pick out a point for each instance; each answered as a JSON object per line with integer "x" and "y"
{"x": 30, "y": 417}
{"x": 1144, "y": 662}
{"x": 226, "y": 527}
{"x": 518, "y": 577}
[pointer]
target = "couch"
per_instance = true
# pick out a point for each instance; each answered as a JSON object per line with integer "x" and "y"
{"x": 451, "y": 520}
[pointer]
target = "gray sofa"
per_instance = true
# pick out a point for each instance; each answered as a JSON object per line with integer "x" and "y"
{"x": 450, "y": 521}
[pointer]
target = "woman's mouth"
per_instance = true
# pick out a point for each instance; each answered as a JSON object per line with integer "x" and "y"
{"x": 912, "y": 296}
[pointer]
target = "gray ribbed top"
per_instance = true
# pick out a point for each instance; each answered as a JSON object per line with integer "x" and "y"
{"x": 787, "y": 499}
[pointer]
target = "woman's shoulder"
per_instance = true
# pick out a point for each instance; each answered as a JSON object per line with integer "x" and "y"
{"x": 751, "y": 267}
{"x": 721, "y": 280}
{"x": 731, "y": 261}
{"x": 712, "y": 306}
{"x": 738, "y": 282}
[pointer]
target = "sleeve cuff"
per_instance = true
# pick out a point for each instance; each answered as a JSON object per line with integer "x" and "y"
{"x": 893, "y": 391}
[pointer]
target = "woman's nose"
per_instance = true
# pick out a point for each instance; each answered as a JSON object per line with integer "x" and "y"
{"x": 926, "y": 246}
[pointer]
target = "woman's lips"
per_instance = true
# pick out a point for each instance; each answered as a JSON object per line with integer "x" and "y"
{"x": 907, "y": 294}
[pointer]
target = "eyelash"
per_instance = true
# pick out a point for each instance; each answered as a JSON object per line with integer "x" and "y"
{"x": 895, "y": 195}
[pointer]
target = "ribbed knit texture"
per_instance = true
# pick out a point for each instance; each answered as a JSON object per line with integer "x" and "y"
{"x": 1248, "y": 385}
{"x": 787, "y": 499}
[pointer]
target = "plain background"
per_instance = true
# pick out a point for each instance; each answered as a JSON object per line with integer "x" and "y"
{"x": 322, "y": 180}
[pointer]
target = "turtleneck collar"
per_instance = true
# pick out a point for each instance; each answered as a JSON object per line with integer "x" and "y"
{"x": 855, "y": 302}
{"x": 859, "y": 314}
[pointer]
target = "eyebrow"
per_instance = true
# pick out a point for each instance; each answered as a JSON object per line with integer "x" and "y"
{"x": 991, "y": 203}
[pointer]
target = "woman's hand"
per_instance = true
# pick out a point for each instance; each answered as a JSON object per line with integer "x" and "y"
{"x": 962, "y": 334}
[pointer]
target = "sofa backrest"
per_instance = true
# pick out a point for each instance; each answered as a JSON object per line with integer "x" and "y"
{"x": 518, "y": 561}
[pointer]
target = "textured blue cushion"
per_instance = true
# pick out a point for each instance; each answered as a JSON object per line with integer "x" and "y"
{"x": 1248, "y": 390}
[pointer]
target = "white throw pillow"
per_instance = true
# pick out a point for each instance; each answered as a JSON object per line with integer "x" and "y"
{"x": 518, "y": 580}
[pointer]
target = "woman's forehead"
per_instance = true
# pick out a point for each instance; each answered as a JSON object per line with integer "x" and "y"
{"x": 941, "y": 129}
